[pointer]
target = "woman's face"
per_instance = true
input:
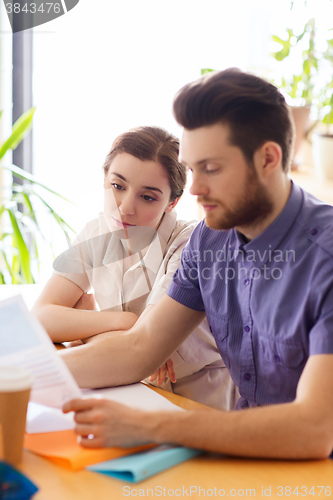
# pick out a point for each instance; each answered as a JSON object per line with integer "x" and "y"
{"x": 136, "y": 193}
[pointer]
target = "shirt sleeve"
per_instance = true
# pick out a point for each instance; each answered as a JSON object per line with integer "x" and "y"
{"x": 169, "y": 266}
{"x": 74, "y": 263}
{"x": 321, "y": 334}
{"x": 184, "y": 287}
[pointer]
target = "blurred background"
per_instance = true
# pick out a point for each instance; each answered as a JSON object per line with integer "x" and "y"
{"x": 107, "y": 66}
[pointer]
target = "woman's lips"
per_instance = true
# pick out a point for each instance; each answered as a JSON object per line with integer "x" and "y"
{"x": 122, "y": 223}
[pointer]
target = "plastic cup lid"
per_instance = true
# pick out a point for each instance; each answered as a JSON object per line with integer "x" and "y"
{"x": 14, "y": 378}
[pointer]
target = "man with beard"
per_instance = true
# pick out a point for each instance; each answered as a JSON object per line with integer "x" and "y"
{"x": 259, "y": 266}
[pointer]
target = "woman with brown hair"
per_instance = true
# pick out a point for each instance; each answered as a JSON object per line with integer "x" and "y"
{"x": 128, "y": 256}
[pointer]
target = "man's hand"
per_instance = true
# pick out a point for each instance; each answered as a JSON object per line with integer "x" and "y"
{"x": 87, "y": 302}
{"x": 102, "y": 423}
{"x": 166, "y": 369}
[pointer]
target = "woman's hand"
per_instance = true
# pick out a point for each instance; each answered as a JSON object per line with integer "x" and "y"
{"x": 166, "y": 369}
{"x": 87, "y": 302}
{"x": 103, "y": 423}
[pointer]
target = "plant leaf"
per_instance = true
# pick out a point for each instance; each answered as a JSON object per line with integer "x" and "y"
{"x": 19, "y": 130}
{"x": 13, "y": 275}
{"x": 279, "y": 40}
{"x": 23, "y": 257}
{"x": 55, "y": 215}
{"x": 29, "y": 177}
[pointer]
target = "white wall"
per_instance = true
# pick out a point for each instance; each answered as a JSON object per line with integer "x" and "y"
{"x": 108, "y": 65}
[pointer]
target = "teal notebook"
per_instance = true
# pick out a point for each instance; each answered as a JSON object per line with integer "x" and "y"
{"x": 134, "y": 468}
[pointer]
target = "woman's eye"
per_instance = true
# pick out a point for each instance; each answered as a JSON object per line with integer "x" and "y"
{"x": 148, "y": 198}
{"x": 116, "y": 186}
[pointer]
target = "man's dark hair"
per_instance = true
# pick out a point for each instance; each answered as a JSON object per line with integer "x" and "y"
{"x": 155, "y": 144}
{"x": 254, "y": 110}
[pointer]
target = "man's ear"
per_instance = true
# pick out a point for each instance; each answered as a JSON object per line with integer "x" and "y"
{"x": 171, "y": 205}
{"x": 268, "y": 158}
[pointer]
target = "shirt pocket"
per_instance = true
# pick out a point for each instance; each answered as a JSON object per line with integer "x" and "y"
{"x": 219, "y": 328}
{"x": 280, "y": 366}
{"x": 289, "y": 354}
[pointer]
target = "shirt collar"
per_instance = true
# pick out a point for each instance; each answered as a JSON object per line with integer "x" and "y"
{"x": 157, "y": 248}
{"x": 275, "y": 232}
{"x": 155, "y": 252}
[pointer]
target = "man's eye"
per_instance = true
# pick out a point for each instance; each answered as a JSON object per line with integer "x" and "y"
{"x": 148, "y": 198}
{"x": 211, "y": 170}
{"x": 116, "y": 186}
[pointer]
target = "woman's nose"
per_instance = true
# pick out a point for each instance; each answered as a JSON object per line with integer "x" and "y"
{"x": 127, "y": 206}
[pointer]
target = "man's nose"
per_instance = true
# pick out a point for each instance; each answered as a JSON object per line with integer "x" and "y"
{"x": 198, "y": 187}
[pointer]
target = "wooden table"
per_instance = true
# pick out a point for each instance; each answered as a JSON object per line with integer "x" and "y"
{"x": 234, "y": 477}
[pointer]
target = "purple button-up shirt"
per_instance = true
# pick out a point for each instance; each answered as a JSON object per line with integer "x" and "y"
{"x": 269, "y": 302}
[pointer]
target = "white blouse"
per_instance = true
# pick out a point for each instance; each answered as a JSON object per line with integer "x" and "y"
{"x": 99, "y": 260}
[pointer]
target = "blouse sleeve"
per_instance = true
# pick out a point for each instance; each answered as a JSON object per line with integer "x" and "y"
{"x": 76, "y": 261}
{"x": 170, "y": 264}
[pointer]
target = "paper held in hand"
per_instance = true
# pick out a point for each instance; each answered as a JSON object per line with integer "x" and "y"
{"x": 24, "y": 342}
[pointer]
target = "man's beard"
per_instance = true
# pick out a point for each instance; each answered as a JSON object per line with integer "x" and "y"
{"x": 253, "y": 207}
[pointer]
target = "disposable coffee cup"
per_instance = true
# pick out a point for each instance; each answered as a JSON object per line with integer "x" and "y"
{"x": 15, "y": 386}
{"x": 2, "y": 453}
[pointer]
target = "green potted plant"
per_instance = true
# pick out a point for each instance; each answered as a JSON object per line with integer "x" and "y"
{"x": 311, "y": 85}
{"x": 19, "y": 215}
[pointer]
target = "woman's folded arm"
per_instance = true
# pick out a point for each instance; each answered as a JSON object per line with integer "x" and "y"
{"x": 55, "y": 309}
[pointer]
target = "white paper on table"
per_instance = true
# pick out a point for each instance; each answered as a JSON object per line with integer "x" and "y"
{"x": 135, "y": 395}
{"x": 43, "y": 419}
{"x": 24, "y": 342}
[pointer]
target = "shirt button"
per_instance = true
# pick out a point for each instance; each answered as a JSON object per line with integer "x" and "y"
{"x": 277, "y": 358}
{"x": 314, "y": 231}
{"x": 247, "y": 376}
{"x": 247, "y": 328}
{"x": 246, "y": 282}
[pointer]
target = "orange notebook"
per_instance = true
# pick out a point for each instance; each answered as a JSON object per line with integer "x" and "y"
{"x": 63, "y": 449}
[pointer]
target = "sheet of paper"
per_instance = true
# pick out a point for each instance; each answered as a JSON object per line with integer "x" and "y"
{"x": 135, "y": 395}
{"x": 44, "y": 419}
{"x": 63, "y": 449}
{"x": 24, "y": 342}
